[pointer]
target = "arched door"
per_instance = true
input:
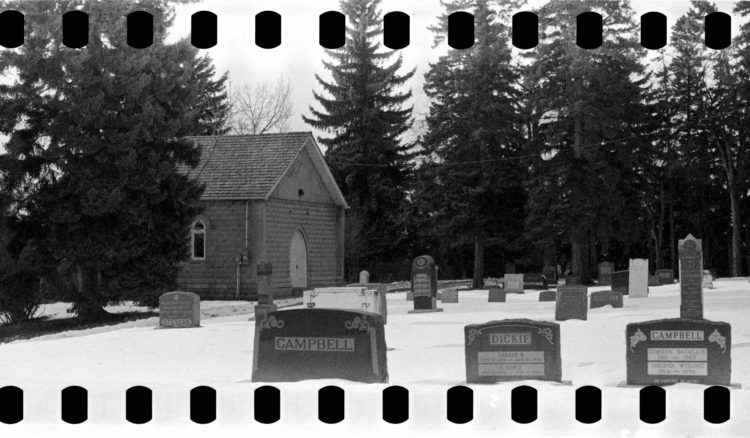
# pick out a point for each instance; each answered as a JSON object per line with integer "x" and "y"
{"x": 298, "y": 261}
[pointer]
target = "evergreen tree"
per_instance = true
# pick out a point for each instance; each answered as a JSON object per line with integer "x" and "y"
{"x": 362, "y": 106}
{"x": 98, "y": 136}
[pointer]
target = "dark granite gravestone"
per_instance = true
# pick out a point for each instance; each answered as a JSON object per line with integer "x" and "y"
{"x": 605, "y": 270}
{"x": 496, "y": 295}
{"x": 606, "y": 298}
{"x": 534, "y": 281}
{"x": 690, "y": 254}
{"x": 667, "y": 351}
{"x": 666, "y": 276}
{"x": 424, "y": 285}
{"x": 179, "y": 310}
{"x": 621, "y": 281}
{"x": 547, "y": 295}
{"x": 265, "y": 290}
{"x": 572, "y": 303}
{"x": 301, "y": 344}
{"x": 510, "y": 268}
{"x": 382, "y": 289}
{"x": 572, "y": 279}
{"x": 512, "y": 349}
{"x": 653, "y": 280}
{"x": 449, "y": 295}
{"x": 550, "y": 274}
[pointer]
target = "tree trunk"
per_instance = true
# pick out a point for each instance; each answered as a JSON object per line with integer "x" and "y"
{"x": 736, "y": 227}
{"x": 89, "y": 306}
{"x": 672, "y": 240}
{"x": 478, "y": 263}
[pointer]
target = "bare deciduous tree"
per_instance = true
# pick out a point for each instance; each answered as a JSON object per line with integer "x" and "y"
{"x": 260, "y": 108}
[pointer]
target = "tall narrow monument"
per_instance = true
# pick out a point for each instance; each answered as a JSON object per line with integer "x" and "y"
{"x": 690, "y": 253}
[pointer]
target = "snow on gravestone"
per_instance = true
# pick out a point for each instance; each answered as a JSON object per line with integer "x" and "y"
{"x": 382, "y": 291}
{"x": 605, "y": 270}
{"x": 345, "y": 298}
{"x": 572, "y": 302}
{"x": 620, "y": 281}
{"x": 548, "y": 295}
{"x": 179, "y": 310}
{"x": 534, "y": 281}
{"x": 638, "y": 278}
{"x": 690, "y": 254}
{"x": 513, "y": 283}
{"x": 424, "y": 285}
{"x": 666, "y": 276}
{"x": 496, "y": 294}
{"x": 606, "y": 298}
{"x": 512, "y": 349}
{"x": 667, "y": 351}
{"x": 300, "y": 344}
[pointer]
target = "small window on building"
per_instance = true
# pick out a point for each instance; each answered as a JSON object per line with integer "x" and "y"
{"x": 199, "y": 241}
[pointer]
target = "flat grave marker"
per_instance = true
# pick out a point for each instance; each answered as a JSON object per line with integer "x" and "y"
{"x": 572, "y": 303}
{"x": 179, "y": 310}
{"x": 548, "y": 295}
{"x": 638, "y": 278}
{"x": 605, "y": 298}
{"x": 424, "y": 285}
{"x": 301, "y": 344}
{"x": 620, "y": 281}
{"x": 512, "y": 349}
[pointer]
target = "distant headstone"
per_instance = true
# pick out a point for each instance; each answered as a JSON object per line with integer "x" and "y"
{"x": 512, "y": 349}
{"x": 382, "y": 292}
{"x": 179, "y": 310}
{"x": 496, "y": 295}
{"x": 691, "y": 277}
{"x": 301, "y": 344}
{"x": 638, "y": 278}
{"x": 355, "y": 298}
{"x": 409, "y": 296}
{"x": 424, "y": 285}
{"x": 547, "y": 295}
{"x": 550, "y": 274}
{"x": 605, "y": 270}
{"x": 364, "y": 277}
{"x": 513, "y": 283}
{"x": 620, "y": 281}
{"x": 510, "y": 268}
{"x": 666, "y": 276}
{"x": 572, "y": 279}
{"x": 534, "y": 281}
{"x": 450, "y": 295}
{"x": 708, "y": 279}
{"x": 572, "y": 302}
{"x": 653, "y": 280}
{"x": 606, "y": 298}
{"x": 265, "y": 303}
{"x": 667, "y": 351}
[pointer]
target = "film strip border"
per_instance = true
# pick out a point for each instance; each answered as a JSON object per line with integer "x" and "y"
{"x": 332, "y": 28}
{"x": 395, "y": 404}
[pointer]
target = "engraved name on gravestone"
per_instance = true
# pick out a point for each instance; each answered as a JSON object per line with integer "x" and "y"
{"x": 605, "y": 270}
{"x": 179, "y": 310}
{"x": 572, "y": 302}
{"x": 512, "y": 349}
{"x": 691, "y": 277}
{"x": 513, "y": 283}
{"x": 620, "y": 281}
{"x": 605, "y": 298}
{"x": 548, "y": 295}
{"x": 667, "y": 351}
{"x": 638, "y": 278}
{"x": 301, "y": 344}
{"x": 534, "y": 281}
{"x": 666, "y": 276}
{"x": 550, "y": 274}
{"x": 424, "y": 285}
{"x": 496, "y": 294}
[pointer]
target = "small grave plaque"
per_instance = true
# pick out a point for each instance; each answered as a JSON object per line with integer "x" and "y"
{"x": 606, "y": 298}
{"x": 691, "y": 277}
{"x": 513, "y": 283}
{"x": 638, "y": 278}
{"x": 666, "y": 276}
{"x": 496, "y": 295}
{"x": 512, "y": 349}
{"x": 534, "y": 281}
{"x": 450, "y": 295}
{"x": 179, "y": 310}
{"x": 424, "y": 285}
{"x": 653, "y": 280}
{"x": 364, "y": 277}
{"x": 605, "y": 273}
{"x": 620, "y": 281}
{"x": 301, "y": 344}
{"x": 572, "y": 302}
{"x": 667, "y": 351}
{"x": 550, "y": 274}
{"x": 548, "y": 295}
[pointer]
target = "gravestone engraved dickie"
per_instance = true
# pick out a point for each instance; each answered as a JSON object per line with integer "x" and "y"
{"x": 638, "y": 278}
{"x": 449, "y": 295}
{"x": 179, "y": 310}
{"x": 534, "y": 281}
{"x": 364, "y": 277}
{"x": 691, "y": 277}
{"x": 572, "y": 303}
{"x": 606, "y": 298}
{"x": 512, "y": 349}
{"x": 300, "y": 344}
{"x": 424, "y": 285}
{"x": 620, "y": 281}
{"x": 548, "y": 295}
{"x": 496, "y": 295}
{"x": 667, "y": 351}
{"x": 605, "y": 270}
{"x": 666, "y": 276}
{"x": 382, "y": 289}
{"x": 550, "y": 274}
{"x": 513, "y": 283}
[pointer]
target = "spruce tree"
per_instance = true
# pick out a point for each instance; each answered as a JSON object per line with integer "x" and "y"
{"x": 362, "y": 106}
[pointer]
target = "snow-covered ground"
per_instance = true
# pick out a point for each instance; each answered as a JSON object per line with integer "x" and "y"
{"x": 427, "y": 358}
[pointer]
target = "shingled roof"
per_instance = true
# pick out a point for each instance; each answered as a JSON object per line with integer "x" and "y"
{"x": 250, "y": 166}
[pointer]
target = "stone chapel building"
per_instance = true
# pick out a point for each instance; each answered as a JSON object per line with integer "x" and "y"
{"x": 268, "y": 197}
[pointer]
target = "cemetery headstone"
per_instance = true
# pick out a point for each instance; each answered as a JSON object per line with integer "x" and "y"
{"x": 534, "y": 281}
{"x": 496, "y": 295}
{"x": 606, "y": 298}
{"x": 513, "y": 283}
{"x": 179, "y": 310}
{"x": 667, "y": 351}
{"x": 605, "y": 270}
{"x": 572, "y": 279}
{"x": 424, "y": 285}
{"x": 691, "y": 277}
{"x": 265, "y": 290}
{"x": 409, "y": 296}
{"x": 666, "y": 276}
{"x": 512, "y": 349}
{"x": 620, "y": 281}
{"x": 510, "y": 268}
{"x": 550, "y": 274}
{"x": 449, "y": 295}
{"x": 638, "y": 278}
{"x": 708, "y": 279}
{"x": 572, "y": 302}
{"x": 547, "y": 295}
{"x": 356, "y": 298}
{"x": 382, "y": 292}
{"x": 301, "y": 344}
{"x": 364, "y": 277}
{"x": 653, "y": 280}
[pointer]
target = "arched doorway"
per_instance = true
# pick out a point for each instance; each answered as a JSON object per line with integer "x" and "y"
{"x": 298, "y": 261}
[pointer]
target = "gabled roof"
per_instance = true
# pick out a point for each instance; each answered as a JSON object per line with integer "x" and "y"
{"x": 251, "y": 166}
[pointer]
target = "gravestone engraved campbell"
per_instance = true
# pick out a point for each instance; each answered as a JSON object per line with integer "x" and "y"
{"x": 572, "y": 302}
{"x": 179, "y": 310}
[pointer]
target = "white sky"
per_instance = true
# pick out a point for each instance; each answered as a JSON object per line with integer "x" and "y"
{"x": 299, "y": 56}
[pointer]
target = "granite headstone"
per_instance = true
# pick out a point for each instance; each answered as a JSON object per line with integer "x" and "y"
{"x": 620, "y": 281}
{"x": 638, "y": 278}
{"x": 550, "y": 274}
{"x": 605, "y": 270}
{"x": 513, "y": 283}
{"x": 424, "y": 285}
{"x": 605, "y": 298}
{"x": 449, "y": 295}
{"x": 666, "y": 276}
{"x": 364, "y": 277}
{"x": 496, "y": 295}
{"x": 179, "y": 310}
{"x": 548, "y": 295}
{"x": 534, "y": 281}
{"x": 572, "y": 302}
{"x": 691, "y": 277}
